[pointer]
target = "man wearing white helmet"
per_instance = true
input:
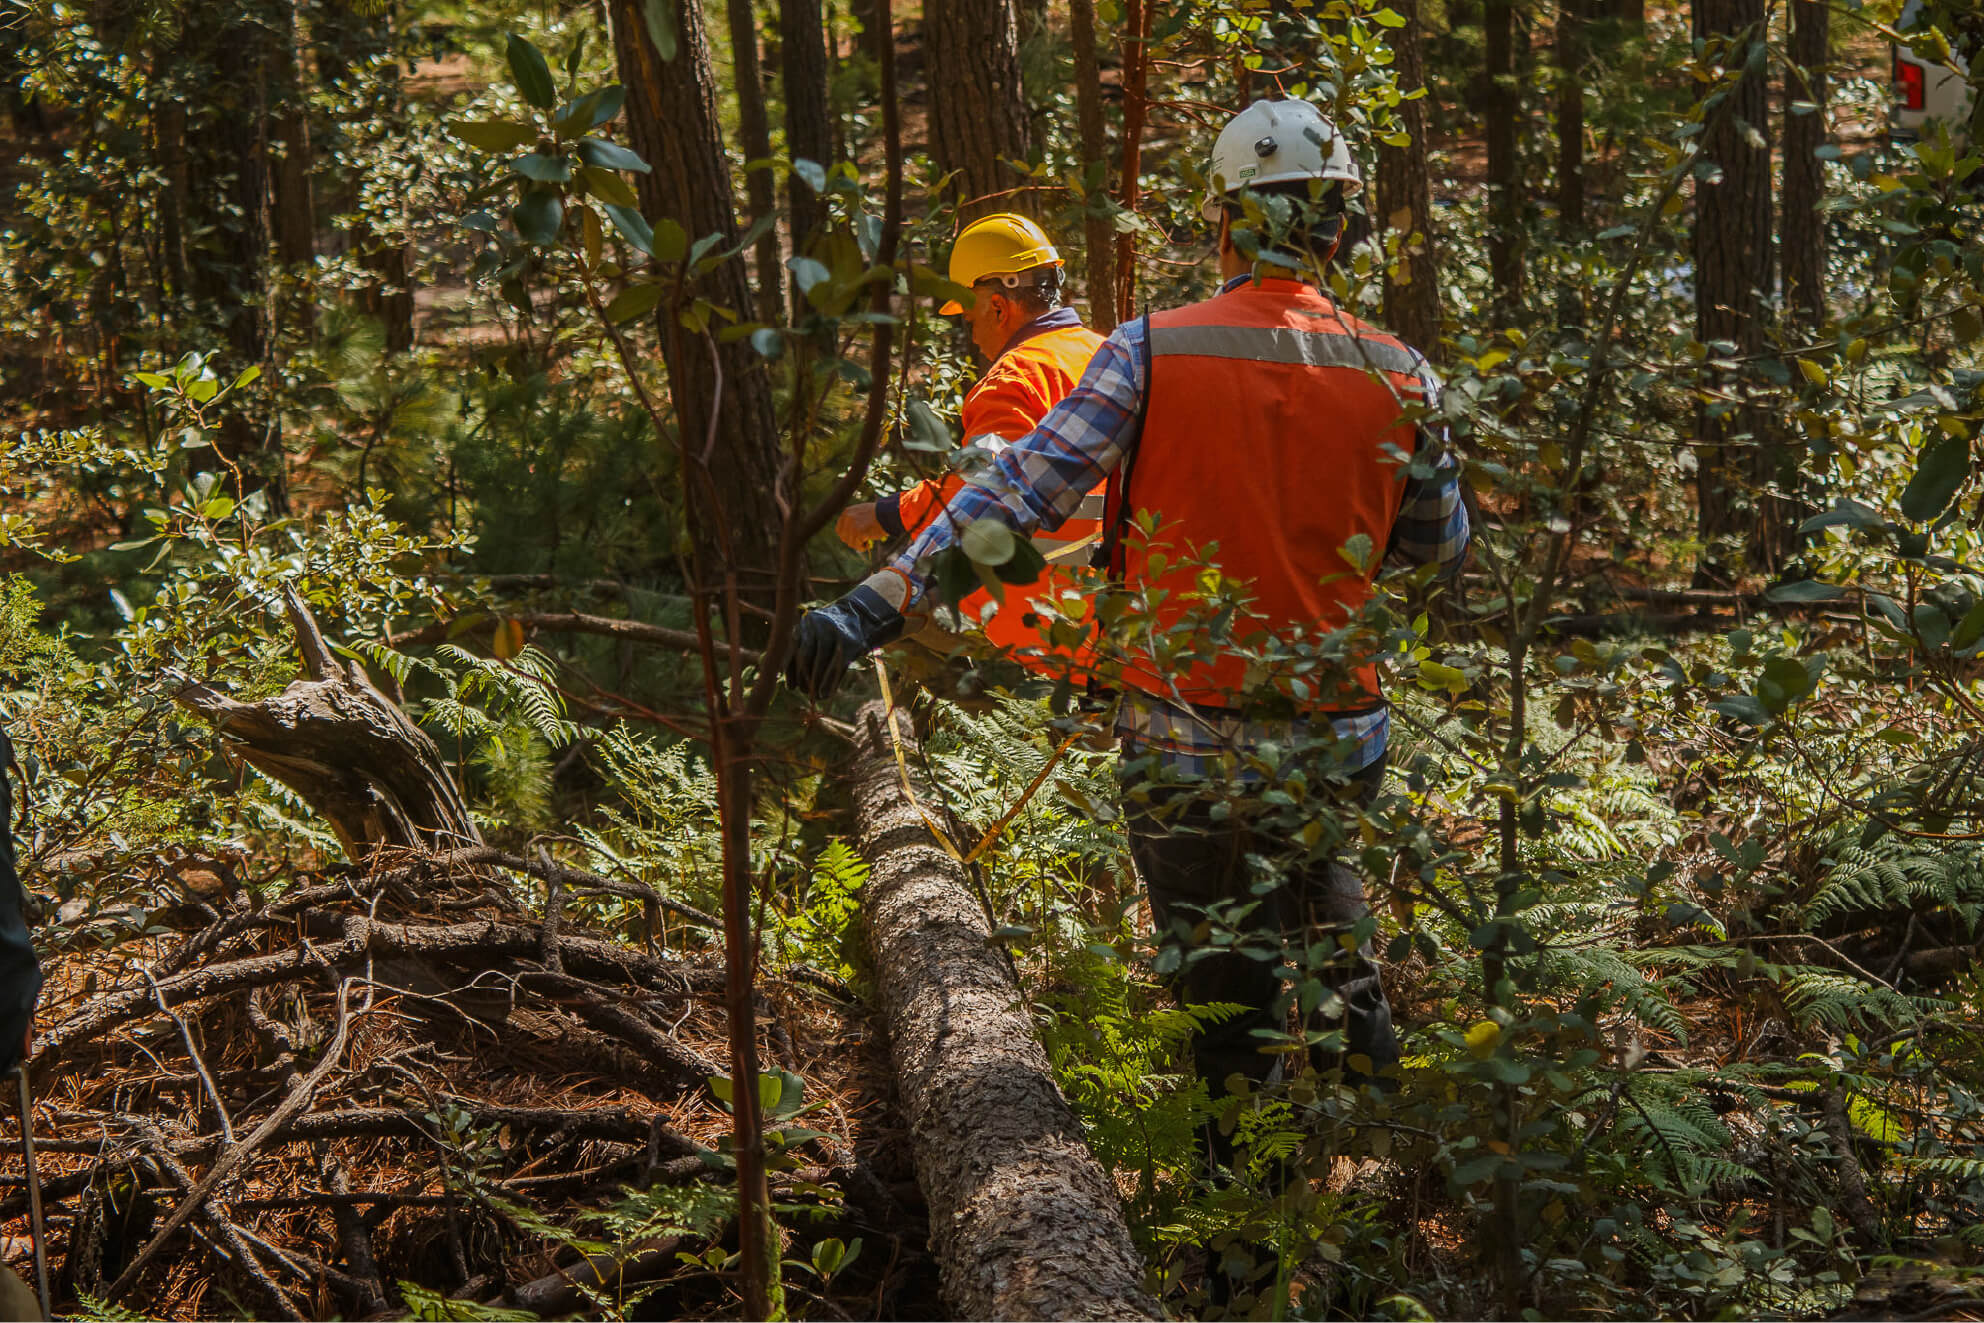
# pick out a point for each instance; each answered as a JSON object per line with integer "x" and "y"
{"x": 1270, "y": 422}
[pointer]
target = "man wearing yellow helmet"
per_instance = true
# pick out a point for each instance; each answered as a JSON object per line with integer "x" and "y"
{"x": 1038, "y": 349}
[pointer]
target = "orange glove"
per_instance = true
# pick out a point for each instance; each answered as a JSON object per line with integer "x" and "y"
{"x": 858, "y": 527}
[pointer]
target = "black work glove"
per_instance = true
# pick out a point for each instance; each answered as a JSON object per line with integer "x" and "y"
{"x": 835, "y": 637}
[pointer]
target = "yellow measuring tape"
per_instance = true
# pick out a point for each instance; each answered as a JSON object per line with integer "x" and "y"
{"x": 902, "y": 773}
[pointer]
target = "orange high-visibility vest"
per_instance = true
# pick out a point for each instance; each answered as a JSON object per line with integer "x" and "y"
{"x": 1011, "y": 398}
{"x": 1269, "y": 426}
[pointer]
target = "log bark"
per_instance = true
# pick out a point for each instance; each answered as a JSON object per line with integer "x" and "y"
{"x": 353, "y": 755}
{"x": 1023, "y": 1221}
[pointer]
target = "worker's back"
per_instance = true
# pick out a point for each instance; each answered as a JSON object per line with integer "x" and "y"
{"x": 1275, "y": 428}
{"x": 1011, "y": 398}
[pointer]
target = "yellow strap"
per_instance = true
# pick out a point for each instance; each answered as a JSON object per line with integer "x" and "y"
{"x": 902, "y": 773}
{"x": 902, "y": 762}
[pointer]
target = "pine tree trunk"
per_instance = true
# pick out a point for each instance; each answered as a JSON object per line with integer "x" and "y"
{"x": 1503, "y": 106}
{"x": 1570, "y": 115}
{"x": 808, "y": 124}
{"x": 1138, "y": 18}
{"x": 296, "y": 206}
{"x": 1732, "y": 244}
{"x": 1405, "y": 200}
{"x": 1097, "y": 230}
{"x": 754, "y": 126}
{"x": 1802, "y": 242}
{"x": 227, "y": 148}
{"x": 1023, "y": 1222}
{"x": 169, "y": 145}
{"x": 978, "y": 117}
{"x": 672, "y": 120}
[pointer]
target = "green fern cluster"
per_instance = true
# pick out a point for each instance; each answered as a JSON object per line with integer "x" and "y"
{"x": 818, "y": 929}
{"x": 1899, "y": 872}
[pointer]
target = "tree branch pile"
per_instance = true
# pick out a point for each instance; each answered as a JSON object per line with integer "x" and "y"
{"x": 400, "y": 1074}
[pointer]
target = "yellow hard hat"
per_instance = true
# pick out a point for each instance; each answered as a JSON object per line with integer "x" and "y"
{"x": 1001, "y": 245}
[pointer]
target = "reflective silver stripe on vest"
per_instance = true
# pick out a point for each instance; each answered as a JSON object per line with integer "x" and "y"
{"x": 1283, "y": 344}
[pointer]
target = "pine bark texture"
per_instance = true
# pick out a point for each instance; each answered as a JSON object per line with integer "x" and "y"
{"x": 1097, "y": 229}
{"x": 1732, "y": 248}
{"x": 809, "y": 129}
{"x": 227, "y": 140}
{"x": 672, "y": 119}
{"x": 1503, "y": 103}
{"x": 1571, "y": 16}
{"x": 1023, "y": 1222}
{"x": 296, "y": 209}
{"x": 755, "y": 127}
{"x": 978, "y": 115}
{"x": 1802, "y": 239}
{"x": 1405, "y": 200}
{"x": 1139, "y": 15}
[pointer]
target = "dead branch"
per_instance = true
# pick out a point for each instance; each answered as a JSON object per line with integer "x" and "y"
{"x": 346, "y": 748}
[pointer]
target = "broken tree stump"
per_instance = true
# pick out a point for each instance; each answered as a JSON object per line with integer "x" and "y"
{"x": 346, "y": 748}
{"x": 1024, "y": 1223}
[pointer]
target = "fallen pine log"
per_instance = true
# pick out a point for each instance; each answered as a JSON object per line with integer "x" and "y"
{"x": 1023, "y": 1221}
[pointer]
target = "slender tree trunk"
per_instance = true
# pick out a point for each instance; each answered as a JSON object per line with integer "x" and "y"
{"x": 169, "y": 143}
{"x": 1803, "y": 236}
{"x": 1405, "y": 199}
{"x": 1570, "y": 115}
{"x": 227, "y": 149}
{"x": 1732, "y": 244}
{"x": 296, "y": 206}
{"x": 1138, "y": 15}
{"x": 754, "y": 125}
{"x": 808, "y": 123}
{"x": 1503, "y": 106}
{"x": 721, "y": 392}
{"x": 978, "y": 117}
{"x": 1099, "y": 233}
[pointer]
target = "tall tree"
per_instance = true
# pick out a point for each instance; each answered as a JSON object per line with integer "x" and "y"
{"x": 228, "y": 51}
{"x": 1502, "y": 107}
{"x": 1139, "y": 15}
{"x": 351, "y": 49}
{"x": 1571, "y": 17}
{"x": 809, "y": 131}
{"x": 1801, "y": 237}
{"x": 296, "y": 205}
{"x": 721, "y": 391}
{"x": 978, "y": 117}
{"x": 1405, "y": 199}
{"x": 1099, "y": 233}
{"x": 1732, "y": 247}
{"x": 754, "y": 124}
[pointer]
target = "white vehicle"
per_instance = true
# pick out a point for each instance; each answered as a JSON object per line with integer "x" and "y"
{"x": 1926, "y": 93}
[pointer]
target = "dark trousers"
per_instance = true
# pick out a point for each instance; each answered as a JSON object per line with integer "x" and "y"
{"x": 1189, "y": 864}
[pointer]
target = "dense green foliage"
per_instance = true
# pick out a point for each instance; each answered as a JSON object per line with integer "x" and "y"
{"x": 1678, "y": 881}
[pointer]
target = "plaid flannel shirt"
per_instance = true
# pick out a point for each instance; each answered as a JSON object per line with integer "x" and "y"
{"x": 1039, "y": 481}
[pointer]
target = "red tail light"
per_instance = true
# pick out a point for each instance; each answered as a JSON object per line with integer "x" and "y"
{"x": 1908, "y": 83}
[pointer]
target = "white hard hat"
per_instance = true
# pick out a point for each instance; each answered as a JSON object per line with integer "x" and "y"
{"x": 1274, "y": 142}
